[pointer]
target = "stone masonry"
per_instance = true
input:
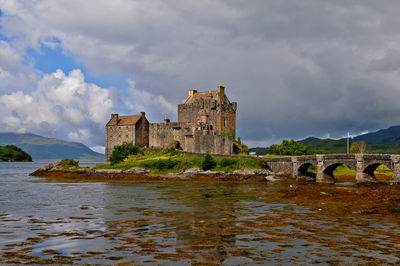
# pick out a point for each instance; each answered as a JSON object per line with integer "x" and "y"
{"x": 206, "y": 123}
{"x": 120, "y": 129}
{"x": 364, "y": 164}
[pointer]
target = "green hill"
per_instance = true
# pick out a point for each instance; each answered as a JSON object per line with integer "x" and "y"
{"x": 13, "y": 153}
{"x": 382, "y": 141}
{"x": 48, "y": 148}
{"x": 389, "y": 135}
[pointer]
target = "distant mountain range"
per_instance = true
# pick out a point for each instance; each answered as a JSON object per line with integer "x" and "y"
{"x": 381, "y": 141}
{"x": 49, "y": 148}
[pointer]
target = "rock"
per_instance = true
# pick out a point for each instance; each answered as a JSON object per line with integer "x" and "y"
{"x": 191, "y": 172}
{"x": 210, "y": 173}
{"x": 108, "y": 171}
{"x": 247, "y": 172}
{"x": 271, "y": 178}
{"x": 46, "y": 167}
{"x": 253, "y": 172}
{"x": 137, "y": 170}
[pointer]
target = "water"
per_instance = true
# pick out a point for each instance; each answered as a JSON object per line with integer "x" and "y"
{"x": 48, "y": 221}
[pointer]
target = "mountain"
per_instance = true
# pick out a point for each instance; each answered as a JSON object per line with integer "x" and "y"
{"x": 48, "y": 148}
{"x": 259, "y": 150}
{"x": 307, "y": 139}
{"x": 382, "y": 141}
{"x": 390, "y": 135}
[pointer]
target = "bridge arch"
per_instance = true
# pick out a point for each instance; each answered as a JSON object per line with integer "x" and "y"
{"x": 326, "y": 172}
{"x": 303, "y": 170}
{"x": 370, "y": 169}
{"x": 329, "y": 170}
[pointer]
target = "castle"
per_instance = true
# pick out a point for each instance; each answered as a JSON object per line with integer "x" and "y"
{"x": 206, "y": 123}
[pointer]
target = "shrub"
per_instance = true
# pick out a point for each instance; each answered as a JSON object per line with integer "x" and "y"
{"x": 67, "y": 163}
{"x": 208, "y": 162}
{"x": 176, "y": 145}
{"x": 239, "y": 147}
{"x": 121, "y": 152}
{"x": 227, "y": 162}
{"x": 165, "y": 164}
{"x": 162, "y": 164}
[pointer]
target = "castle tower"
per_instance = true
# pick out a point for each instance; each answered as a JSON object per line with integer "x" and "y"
{"x": 210, "y": 108}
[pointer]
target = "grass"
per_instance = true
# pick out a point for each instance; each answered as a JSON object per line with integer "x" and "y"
{"x": 173, "y": 161}
{"x": 13, "y": 153}
{"x": 275, "y": 156}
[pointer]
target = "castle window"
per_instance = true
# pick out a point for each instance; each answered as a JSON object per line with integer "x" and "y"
{"x": 224, "y": 122}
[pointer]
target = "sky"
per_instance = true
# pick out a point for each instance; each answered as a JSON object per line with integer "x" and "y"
{"x": 296, "y": 68}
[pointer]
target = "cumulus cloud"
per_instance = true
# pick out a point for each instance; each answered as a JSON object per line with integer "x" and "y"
{"x": 62, "y": 105}
{"x": 296, "y": 68}
{"x": 13, "y": 74}
{"x": 144, "y": 101}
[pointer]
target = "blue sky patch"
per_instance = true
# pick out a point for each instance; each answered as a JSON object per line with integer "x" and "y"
{"x": 48, "y": 60}
{"x": 51, "y": 59}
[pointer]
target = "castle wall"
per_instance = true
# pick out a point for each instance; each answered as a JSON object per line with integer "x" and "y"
{"x": 222, "y": 117}
{"x": 163, "y": 135}
{"x": 117, "y": 135}
{"x": 190, "y": 138}
{"x": 215, "y": 144}
{"x": 142, "y": 130}
{"x": 227, "y": 119}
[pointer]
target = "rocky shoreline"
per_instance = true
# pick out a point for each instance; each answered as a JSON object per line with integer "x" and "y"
{"x": 140, "y": 174}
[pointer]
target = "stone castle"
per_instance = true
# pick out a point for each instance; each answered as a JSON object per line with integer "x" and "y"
{"x": 206, "y": 123}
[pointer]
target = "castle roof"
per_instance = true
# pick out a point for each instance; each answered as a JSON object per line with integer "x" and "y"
{"x": 124, "y": 120}
{"x": 201, "y": 95}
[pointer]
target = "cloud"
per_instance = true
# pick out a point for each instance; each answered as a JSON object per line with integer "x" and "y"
{"x": 296, "y": 69}
{"x": 62, "y": 105}
{"x": 99, "y": 149}
{"x": 154, "y": 105}
{"x": 13, "y": 74}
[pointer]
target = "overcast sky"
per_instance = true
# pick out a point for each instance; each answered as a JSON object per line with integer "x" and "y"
{"x": 296, "y": 68}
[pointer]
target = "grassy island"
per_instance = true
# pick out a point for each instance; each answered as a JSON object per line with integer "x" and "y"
{"x": 161, "y": 162}
{"x": 129, "y": 162}
{"x": 11, "y": 153}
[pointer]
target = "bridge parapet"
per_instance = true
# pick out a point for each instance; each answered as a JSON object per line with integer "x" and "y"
{"x": 363, "y": 164}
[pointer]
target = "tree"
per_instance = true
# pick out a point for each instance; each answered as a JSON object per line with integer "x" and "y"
{"x": 122, "y": 151}
{"x": 363, "y": 146}
{"x": 288, "y": 148}
{"x": 275, "y": 149}
{"x": 354, "y": 147}
{"x": 239, "y": 147}
{"x": 358, "y": 147}
{"x": 208, "y": 162}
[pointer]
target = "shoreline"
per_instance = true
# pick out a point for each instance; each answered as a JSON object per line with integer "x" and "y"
{"x": 83, "y": 175}
{"x": 143, "y": 175}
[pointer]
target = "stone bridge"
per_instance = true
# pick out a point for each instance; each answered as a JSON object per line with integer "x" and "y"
{"x": 363, "y": 164}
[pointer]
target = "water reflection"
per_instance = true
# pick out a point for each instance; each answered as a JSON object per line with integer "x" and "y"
{"x": 45, "y": 221}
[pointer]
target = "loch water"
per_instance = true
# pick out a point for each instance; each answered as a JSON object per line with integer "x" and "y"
{"x": 52, "y": 221}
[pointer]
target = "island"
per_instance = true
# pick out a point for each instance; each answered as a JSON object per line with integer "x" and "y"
{"x": 165, "y": 165}
{"x": 11, "y": 153}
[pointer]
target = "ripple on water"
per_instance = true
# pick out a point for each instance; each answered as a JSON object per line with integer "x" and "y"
{"x": 172, "y": 223}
